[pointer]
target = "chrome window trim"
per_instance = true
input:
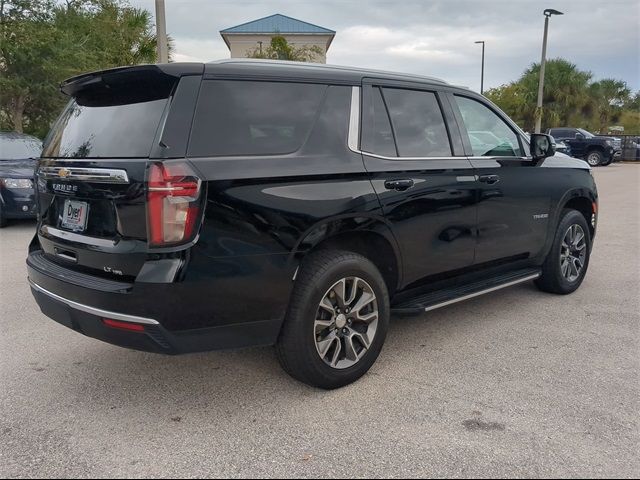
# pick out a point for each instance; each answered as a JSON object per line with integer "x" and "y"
{"x": 354, "y": 134}
{"x": 86, "y": 174}
{"x": 354, "y": 121}
{"x": 92, "y": 310}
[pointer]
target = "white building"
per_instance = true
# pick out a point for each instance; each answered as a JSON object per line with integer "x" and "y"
{"x": 244, "y": 39}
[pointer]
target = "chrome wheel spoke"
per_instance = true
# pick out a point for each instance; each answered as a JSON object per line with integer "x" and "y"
{"x": 365, "y": 299}
{"x": 327, "y": 305}
{"x": 353, "y": 291}
{"x": 349, "y": 349}
{"x": 325, "y": 345}
{"x": 336, "y": 355}
{"x": 367, "y": 318}
{"x": 323, "y": 324}
{"x": 362, "y": 338}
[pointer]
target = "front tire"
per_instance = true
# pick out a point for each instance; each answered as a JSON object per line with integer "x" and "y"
{"x": 3, "y": 220}
{"x": 337, "y": 320}
{"x": 595, "y": 158}
{"x": 566, "y": 265}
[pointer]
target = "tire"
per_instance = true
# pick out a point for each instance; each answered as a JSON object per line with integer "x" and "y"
{"x": 594, "y": 158}
{"x": 607, "y": 162}
{"x": 310, "y": 328}
{"x": 558, "y": 276}
{"x": 3, "y": 220}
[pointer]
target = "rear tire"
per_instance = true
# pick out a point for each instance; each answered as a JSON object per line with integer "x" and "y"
{"x": 337, "y": 320}
{"x": 595, "y": 158}
{"x": 566, "y": 264}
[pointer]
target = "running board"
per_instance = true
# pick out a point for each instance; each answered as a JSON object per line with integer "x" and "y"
{"x": 442, "y": 298}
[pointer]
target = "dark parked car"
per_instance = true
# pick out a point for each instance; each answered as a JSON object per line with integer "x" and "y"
{"x": 189, "y": 207}
{"x": 597, "y": 151}
{"x": 18, "y": 153}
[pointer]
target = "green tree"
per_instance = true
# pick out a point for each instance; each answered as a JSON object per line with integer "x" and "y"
{"x": 571, "y": 98}
{"x": 42, "y": 42}
{"x": 608, "y": 96}
{"x": 281, "y": 49}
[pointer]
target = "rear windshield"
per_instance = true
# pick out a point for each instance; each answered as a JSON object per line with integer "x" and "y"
{"x": 253, "y": 118}
{"x": 90, "y": 129}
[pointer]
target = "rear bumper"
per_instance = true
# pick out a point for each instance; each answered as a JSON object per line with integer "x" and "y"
{"x": 89, "y": 321}
{"x": 84, "y": 304}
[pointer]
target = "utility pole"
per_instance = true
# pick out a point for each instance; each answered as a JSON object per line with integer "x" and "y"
{"x": 482, "y": 74}
{"x": 161, "y": 33}
{"x": 547, "y": 13}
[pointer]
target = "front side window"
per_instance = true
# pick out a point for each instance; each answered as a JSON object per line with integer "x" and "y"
{"x": 489, "y": 135}
{"x": 253, "y": 118}
{"x": 418, "y": 123}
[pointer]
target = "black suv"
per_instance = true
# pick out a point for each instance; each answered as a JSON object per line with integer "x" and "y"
{"x": 597, "y": 151}
{"x": 189, "y": 207}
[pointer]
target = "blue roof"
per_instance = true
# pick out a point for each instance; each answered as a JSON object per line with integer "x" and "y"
{"x": 278, "y": 24}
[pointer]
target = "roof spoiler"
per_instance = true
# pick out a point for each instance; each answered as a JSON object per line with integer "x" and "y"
{"x": 167, "y": 71}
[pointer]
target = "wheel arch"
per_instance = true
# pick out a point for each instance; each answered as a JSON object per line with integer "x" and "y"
{"x": 370, "y": 237}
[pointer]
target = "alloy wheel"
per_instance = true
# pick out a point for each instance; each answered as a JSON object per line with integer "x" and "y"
{"x": 346, "y": 322}
{"x": 593, "y": 159}
{"x": 573, "y": 253}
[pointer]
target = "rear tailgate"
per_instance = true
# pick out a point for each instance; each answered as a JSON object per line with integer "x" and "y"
{"x": 91, "y": 179}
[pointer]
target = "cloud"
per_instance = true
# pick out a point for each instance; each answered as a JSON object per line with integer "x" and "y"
{"x": 433, "y": 37}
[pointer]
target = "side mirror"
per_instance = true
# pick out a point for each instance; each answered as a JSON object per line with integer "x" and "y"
{"x": 579, "y": 136}
{"x": 542, "y": 146}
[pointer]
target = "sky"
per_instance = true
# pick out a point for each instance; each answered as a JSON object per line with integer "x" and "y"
{"x": 433, "y": 37}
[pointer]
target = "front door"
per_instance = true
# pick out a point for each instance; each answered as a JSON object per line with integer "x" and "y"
{"x": 513, "y": 192}
{"x": 427, "y": 193}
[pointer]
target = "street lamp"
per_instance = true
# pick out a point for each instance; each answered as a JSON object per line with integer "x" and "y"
{"x": 161, "y": 33}
{"x": 547, "y": 13}
{"x": 482, "y": 74}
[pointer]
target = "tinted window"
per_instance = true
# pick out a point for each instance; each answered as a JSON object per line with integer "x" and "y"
{"x": 253, "y": 118}
{"x": 94, "y": 130}
{"x": 19, "y": 148}
{"x": 380, "y": 138}
{"x": 488, "y": 133}
{"x": 418, "y": 123}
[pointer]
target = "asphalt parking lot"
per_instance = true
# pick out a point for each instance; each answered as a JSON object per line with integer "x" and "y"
{"x": 518, "y": 383}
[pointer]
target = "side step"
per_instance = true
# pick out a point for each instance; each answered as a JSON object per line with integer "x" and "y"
{"x": 447, "y": 296}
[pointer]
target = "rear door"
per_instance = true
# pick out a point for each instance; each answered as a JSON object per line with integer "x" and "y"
{"x": 423, "y": 180}
{"x": 92, "y": 174}
{"x": 513, "y": 191}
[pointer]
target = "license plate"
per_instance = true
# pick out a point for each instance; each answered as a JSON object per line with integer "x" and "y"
{"x": 75, "y": 214}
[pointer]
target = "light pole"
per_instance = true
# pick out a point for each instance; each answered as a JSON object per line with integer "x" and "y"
{"x": 547, "y": 13}
{"x": 161, "y": 33}
{"x": 482, "y": 74}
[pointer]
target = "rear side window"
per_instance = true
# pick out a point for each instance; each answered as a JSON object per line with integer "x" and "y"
{"x": 379, "y": 138}
{"x": 418, "y": 123}
{"x": 253, "y": 118}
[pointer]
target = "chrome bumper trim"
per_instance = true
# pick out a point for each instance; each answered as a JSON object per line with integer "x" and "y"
{"x": 92, "y": 310}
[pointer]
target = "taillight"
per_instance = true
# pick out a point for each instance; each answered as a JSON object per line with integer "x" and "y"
{"x": 173, "y": 203}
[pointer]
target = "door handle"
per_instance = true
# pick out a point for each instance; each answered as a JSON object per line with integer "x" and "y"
{"x": 490, "y": 179}
{"x": 399, "y": 185}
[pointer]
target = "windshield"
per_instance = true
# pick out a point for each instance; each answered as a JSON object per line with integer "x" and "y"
{"x": 19, "y": 148}
{"x": 585, "y": 133}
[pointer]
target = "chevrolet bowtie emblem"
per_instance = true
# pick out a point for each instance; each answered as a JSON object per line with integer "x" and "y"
{"x": 64, "y": 172}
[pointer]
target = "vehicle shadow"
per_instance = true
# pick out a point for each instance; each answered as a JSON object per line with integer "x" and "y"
{"x": 252, "y": 378}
